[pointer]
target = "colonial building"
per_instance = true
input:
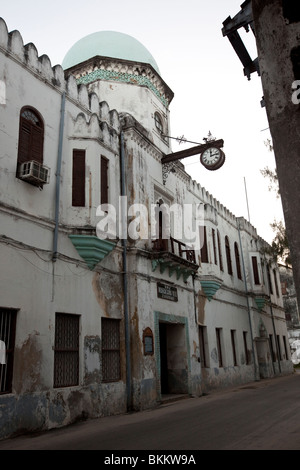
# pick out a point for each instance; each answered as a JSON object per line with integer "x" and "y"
{"x": 290, "y": 305}
{"x": 111, "y": 299}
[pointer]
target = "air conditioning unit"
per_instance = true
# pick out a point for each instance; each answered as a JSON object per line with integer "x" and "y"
{"x": 34, "y": 173}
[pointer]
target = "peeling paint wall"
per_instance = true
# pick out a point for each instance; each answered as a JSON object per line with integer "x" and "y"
{"x": 38, "y": 288}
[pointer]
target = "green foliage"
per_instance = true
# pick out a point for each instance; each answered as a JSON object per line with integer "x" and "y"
{"x": 273, "y": 179}
{"x": 279, "y": 248}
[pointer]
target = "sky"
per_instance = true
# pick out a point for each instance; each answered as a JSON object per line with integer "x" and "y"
{"x": 211, "y": 93}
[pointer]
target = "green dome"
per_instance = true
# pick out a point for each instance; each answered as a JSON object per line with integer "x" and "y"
{"x": 108, "y": 44}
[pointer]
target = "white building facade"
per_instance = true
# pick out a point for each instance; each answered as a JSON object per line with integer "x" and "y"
{"x": 95, "y": 323}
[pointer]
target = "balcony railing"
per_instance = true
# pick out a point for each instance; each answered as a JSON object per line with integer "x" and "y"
{"x": 175, "y": 247}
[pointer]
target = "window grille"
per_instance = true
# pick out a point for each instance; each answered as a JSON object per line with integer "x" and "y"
{"x": 66, "y": 350}
{"x": 7, "y": 336}
{"x": 111, "y": 369}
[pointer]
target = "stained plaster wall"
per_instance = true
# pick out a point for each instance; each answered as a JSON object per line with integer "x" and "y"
{"x": 31, "y": 283}
{"x": 97, "y": 294}
{"x": 229, "y": 308}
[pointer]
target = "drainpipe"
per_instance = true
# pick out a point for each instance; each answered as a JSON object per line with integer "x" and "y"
{"x": 125, "y": 276}
{"x": 58, "y": 174}
{"x": 256, "y": 374}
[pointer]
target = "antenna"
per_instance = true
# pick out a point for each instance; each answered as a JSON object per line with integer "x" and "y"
{"x": 247, "y": 199}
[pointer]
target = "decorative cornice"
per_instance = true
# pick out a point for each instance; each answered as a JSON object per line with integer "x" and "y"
{"x": 210, "y": 285}
{"x": 260, "y": 301}
{"x": 107, "y": 68}
{"x": 173, "y": 264}
{"x": 140, "y": 140}
{"x": 91, "y": 248}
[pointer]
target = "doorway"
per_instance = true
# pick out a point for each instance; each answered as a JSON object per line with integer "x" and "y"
{"x": 173, "y": 358}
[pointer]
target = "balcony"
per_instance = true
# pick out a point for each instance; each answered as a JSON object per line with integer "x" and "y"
{"x": 175, "y": 257}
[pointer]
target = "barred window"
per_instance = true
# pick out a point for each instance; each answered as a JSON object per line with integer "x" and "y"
{"x": 66, "y": 350}
{"x": 7, "y": 345}
{"x": 111, "y": 369}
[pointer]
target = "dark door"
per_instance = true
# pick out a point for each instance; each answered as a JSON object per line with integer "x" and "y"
{"x": 163, "y": 358}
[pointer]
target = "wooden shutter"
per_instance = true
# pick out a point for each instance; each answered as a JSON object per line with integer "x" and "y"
{"x": 104, "y": 181}
{"x": 228, "y": 256}
{"x": 24, "y": 141}
{"x": 214, "y": 245}
{"x": 36, "y": 144}
{"x": 203, "y": 241}
{"x": 78, "y": 179}
{"x": 220, "y": 251}
{"x": 31, "y": 138}
{"x": 237, "y": 260}
{"x": 66, "y": 350}
{"x": 255, "y": 270}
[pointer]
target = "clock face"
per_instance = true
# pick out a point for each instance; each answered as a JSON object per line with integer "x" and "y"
{"x": 212, "y": 158}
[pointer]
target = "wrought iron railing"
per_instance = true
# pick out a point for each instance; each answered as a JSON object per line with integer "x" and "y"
{"x": 176, "y": 247}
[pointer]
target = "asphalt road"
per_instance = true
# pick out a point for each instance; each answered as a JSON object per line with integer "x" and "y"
{"x": 262, "y": 415}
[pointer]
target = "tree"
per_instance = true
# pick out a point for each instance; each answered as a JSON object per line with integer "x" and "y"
{"x": 279, "y": 248}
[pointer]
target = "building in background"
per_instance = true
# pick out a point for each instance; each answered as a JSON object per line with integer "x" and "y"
{"x": 291, "y": 310}
{"x": 100, "y": 317}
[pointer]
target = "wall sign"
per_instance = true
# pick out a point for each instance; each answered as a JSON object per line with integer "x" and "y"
{"x": 164, "y": 291}
{"x": 148, "y": 342}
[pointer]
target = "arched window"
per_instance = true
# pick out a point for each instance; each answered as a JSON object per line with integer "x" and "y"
{"x": 203, "y": 242}
{"x": 220, "y": 251}
{"x": 228, "y": 255}
{"x": 237, "y": 261}
{"x": 276, "y": 283}
{"x": 162, "y": 225}
{"x": 158, "y": 123}
{"x": 31, "y": 136}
